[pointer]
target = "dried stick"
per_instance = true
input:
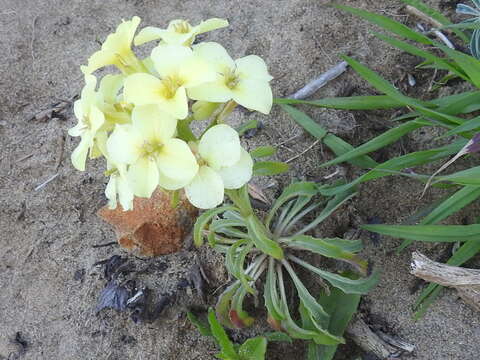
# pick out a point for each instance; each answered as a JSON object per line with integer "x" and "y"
{"x": 465, "y": 281}
{"x": 370, "y": 342}
{"x": 319, "y": 82}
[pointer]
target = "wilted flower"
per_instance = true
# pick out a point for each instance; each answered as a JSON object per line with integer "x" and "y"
{"x": 245, "y": 80}
{"x": 178, "y": 32}
{"x": 154, "y": 156}
{"x": 224, "y": 164}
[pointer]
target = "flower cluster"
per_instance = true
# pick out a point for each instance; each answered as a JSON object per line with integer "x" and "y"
{"x": 139, "y": 119}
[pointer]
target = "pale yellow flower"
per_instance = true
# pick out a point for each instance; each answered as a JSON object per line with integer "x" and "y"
{"x": 118, "y": 186}
{"x": 179, "y": 69}
{"x": 90, "y": 120}
{"x": 246, "y": 80}
{"x": 224, "y": 164}
{"x": 153, "y": 155}
{"x": 117, "y": 50}
{"x": 178, "y": 32}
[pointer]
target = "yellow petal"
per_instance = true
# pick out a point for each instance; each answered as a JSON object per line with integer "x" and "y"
{"x": 109, "y": 87}
{"x": 153, "y": 124}
{"x": 176, "y": 106}
{"x": 254, "y": 95}
{"x": 203, "y": 109}
{"x": 124, "y": 145}
{"x": 220, "y": 146}
{"x": 125, "y": 194}
{"x": 195, "y": 71}
{"x": 215, "y": 54}
{"x": 168, "y": 59}
{"x": 142, "y": 89}
{"x": 143, "y": 177}
{"x": 209, "y": 25}
{"x": 147, "y": 34}
{"x": 79, "y": 155}
{"x": 176, "y": 161}
{"x": 206, "y": 189}
{"x": 252, "y": 67}
{"x": 98, "y": 60}
{"x": 170, "y": 184}
{"x": 96, "y": 118}
{"x": 237, "y": 175}
{"x": 213, "y": 92}
{"x": 111, "y": 192}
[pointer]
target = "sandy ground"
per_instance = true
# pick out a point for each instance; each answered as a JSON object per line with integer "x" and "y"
{"x": 47, "y": 235}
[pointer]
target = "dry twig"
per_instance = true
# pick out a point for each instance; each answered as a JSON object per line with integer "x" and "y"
{"x": 465, "y": 281}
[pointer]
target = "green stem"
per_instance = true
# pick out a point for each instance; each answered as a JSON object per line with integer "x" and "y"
{"x": 184, "y": 131}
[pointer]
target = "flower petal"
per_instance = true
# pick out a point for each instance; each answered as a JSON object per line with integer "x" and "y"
{"x": 237, "y": 175}
{"x": 177, "y": 106}
{"x": 196, "y": 71}
{"x": 206, "y": 189}
{"x": 176, "y": 161}
{"x": 125, "y": 194}
{"x": 111, "y": 192}
{"x": 220, "y": 146}
{"x": 147, "y": 34}
{"x": 96, "y": 118}
{"x": 170, "y": 184}
{"x": 209, "y": 25}
{"x": 124, "y": 144}
{"x": 169, "y": 58}
{"x": 254, "y": 95}
{"x": 215, "y": 54}
{"x": 252, "y": 67}
{"x": 213, "y": 92}
{"x": 143, "y": 177}
{"x": 153, "y": 124}
{"x": 142, "y": 89}
{"x": 109, "y": 87}
{"x": 79, "y": 155}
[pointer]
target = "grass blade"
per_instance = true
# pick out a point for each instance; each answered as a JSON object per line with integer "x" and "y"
{"x": 348, "y": 103}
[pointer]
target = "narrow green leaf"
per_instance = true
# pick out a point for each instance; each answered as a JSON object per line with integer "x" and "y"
{"x": 473, "y": 124}
{"x": 380, "y": 141}
{"x": 203, "y": 328}
{"x": 277, "y": 336}
{"x": 429, "y": 233}
{"x": 269, "y": 168}
{"x": 222, "y": 338}
{"x": 222, "y": 308}
{"x": 465, "y": 177}
{"x": 251, "y": 124}
{"x": 204, "y": 219}
{"x": 341, "y": 307}
{"x": 468, "y": 63}
{"x": 434, "y": 14}
{"x": 253, "y": 349}
{"x": 347, "y": 103}
{"x": 293, "y": 190}
{"x": 262, "y": 242}
{"x": 263, "y": 151}
{"x": 388, "y": 24}
{"x": 348, "y": 286}
{"x": 270, "y": 293}
{"x": 337, "y": 145}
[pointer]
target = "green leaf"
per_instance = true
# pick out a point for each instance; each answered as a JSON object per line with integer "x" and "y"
{"x": 469, "y": 64}
{"x": 203, "y": 328}
{"x": 472, "y": 124}
{"x": 337, "y": 145}
{"x": 347, "y": 103}
{"x": 269, "y": 168}
{"x": 326, "y": 247}
{"x": 222, "y": 308}
{"x": 258, "y": 234}
{"x": 270, "y": 293}
{"x": 429, "y": 233}
{"x": 253, "y": 349}
{"x": 348, "y": 286}
{"x": 251, "y": 124}
{"x": 303, "y": 188}
{"x": 389, "y": 167}
{"x": 263, "y": 151}
{"x": 434, "y": 14}
{"x": 454, "y": 203}
{"x": 204, "y": 219}
{"x": 465, "y": 177}
{"x": 219, "y": 333}
{"x": 380, "y": 141}
{"x": 341, "y": 307}
{"x": 414, "y": 50}
{"x": 277, "y": 336}
{"x": 388, "y": 24}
